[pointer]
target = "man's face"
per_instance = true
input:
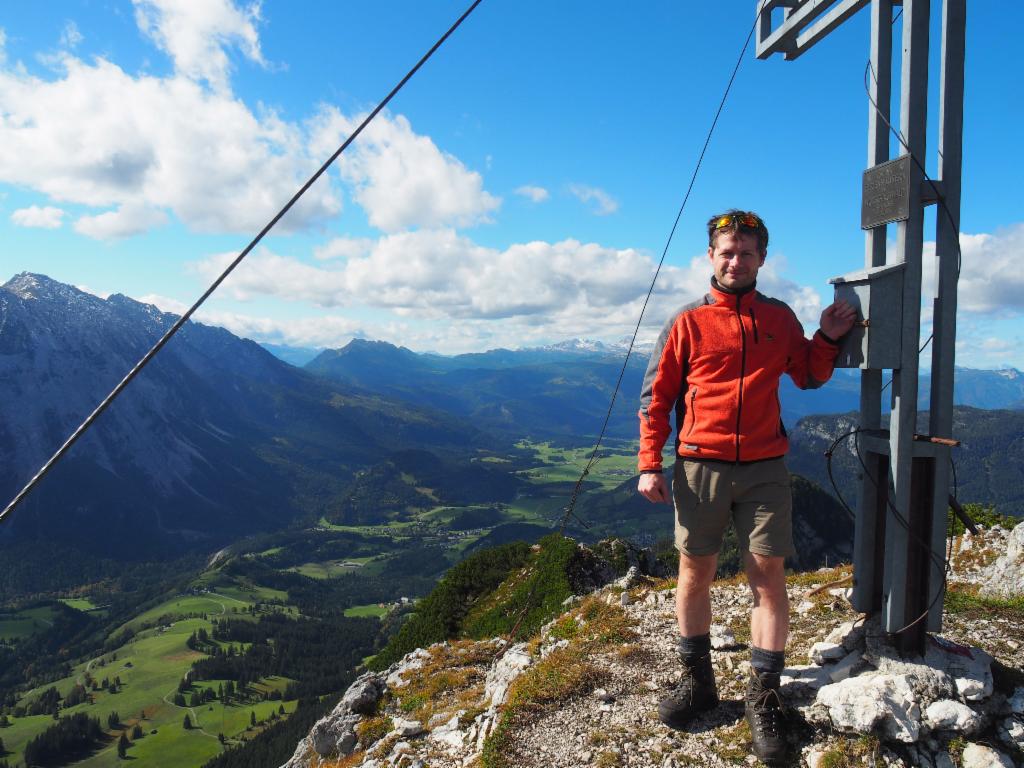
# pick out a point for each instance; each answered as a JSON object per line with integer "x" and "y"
{"x": 735, "y": 259}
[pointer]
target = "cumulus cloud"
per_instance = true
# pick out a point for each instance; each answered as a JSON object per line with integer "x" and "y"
{"x": 195, "y": 35}
{"x": 442, "y": 274}
{"x": 536, "y": 194}
{"x": 45, "y": 217}
{"x": 402, "y": 179}
{"x": 603, "y": 204}
{"x": 125, "y": 221}
{"x": 100, "y": 137}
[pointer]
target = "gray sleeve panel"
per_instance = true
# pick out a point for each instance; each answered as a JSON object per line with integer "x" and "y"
{"x": 647, "y": 389}
{"x": 811, "y": 382}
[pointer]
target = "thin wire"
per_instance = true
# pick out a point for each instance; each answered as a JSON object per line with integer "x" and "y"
{"x": 941, "y": 566}
{"x": 230, "y": 268}
{"x": 571, "y": 506}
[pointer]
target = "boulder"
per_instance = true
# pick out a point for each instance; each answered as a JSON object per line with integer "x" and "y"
{"x": 950, "y": 715}
{"x": 334, "y": 735}
{"x": 980, "y": 756}
{"x": 859, "y": 704}
{"x": 1005, "y": 577}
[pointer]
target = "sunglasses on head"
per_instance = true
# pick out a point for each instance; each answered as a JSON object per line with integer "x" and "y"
{"x": 739, "y": 219}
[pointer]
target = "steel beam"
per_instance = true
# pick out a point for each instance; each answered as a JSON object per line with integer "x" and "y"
{"x": 783, "y": 39}
{"x": 817, "y": 31}
{"x": 909, "y": 245}
{"x": 947, "y": 253}
{"x": 868, "y": 534}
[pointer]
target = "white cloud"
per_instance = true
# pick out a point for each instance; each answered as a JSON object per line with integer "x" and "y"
{"x": 46, "y": 217}
{"x": 70, "y": 37}
{"x": 603, "y": 203}
{"x": 126, "y": 221}
{"x": 344, "y": 248}
{"x": 100, "y": 137}
{"x": 441, "y": 275}
{"x": 536, "y": 194}
{"x": 403, "y": 179}
{"x": 195, "y": 34}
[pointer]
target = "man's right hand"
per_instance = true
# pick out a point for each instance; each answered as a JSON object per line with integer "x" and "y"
{"x": 653, "y": 487}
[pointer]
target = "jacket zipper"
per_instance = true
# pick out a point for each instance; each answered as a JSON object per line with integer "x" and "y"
{"x": 743, "y": 371}
{"x": 693, "y": 410}
{"x": 753, "y": 322}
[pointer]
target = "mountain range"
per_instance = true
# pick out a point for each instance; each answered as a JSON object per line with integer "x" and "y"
{"x": 215, "y": 438}
{"x": 218, "y": 438}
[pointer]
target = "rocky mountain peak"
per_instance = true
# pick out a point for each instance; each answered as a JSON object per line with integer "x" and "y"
{"x": 31, "y": 286}
{"x": 584, "y": 690}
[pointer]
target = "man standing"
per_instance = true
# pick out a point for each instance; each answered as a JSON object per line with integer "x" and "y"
{"x": 717, "y": 364}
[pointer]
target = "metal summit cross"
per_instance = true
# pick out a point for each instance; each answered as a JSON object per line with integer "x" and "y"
{"x": 899, "y": 543}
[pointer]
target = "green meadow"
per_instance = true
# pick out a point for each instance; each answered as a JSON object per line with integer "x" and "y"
{"x": 21, "y": 624}
{"x": 150, "y": 667}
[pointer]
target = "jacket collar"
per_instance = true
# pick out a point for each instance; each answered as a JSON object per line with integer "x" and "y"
{"x": 729, "y": 297}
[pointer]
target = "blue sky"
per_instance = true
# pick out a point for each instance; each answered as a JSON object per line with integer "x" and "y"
{"x": 518, "y": 191}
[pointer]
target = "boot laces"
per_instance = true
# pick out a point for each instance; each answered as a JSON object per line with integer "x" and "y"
{"x": 766, "y": 705}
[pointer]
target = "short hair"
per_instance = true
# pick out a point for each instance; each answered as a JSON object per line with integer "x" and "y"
{"x": 736, "y": 226}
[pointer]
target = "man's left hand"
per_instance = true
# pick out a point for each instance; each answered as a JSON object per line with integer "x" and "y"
{"x": 837, "y": 319}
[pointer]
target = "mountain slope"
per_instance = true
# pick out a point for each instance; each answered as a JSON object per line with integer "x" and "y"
{"x": 214, "y": 439}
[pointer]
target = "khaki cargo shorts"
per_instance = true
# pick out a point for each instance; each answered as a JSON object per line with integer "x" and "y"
{"x": 757, "y": 498}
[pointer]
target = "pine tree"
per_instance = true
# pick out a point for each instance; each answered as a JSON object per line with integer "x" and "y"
{"x": 187, "y": 724}
{"x": 122, "y": 746}
{"x": 252, "y": 718}
{"x": 136, "y": 732}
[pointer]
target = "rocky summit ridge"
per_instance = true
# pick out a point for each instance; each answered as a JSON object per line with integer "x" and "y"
{"x": 584, "y": 690}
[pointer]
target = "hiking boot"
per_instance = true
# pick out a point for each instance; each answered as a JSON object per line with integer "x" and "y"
{"x": 766, "y": 717}
{"x": 694, "y": 693}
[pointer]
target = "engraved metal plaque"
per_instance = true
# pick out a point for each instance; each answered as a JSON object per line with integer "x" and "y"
{"x": 885, "y": 196}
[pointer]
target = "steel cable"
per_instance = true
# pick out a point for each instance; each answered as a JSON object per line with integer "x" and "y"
{"x": 227, "y": 271}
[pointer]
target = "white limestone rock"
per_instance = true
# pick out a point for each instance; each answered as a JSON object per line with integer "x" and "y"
{"x": 1005, "y": 577}
{"x": 334, "y": 734}
{"x": 413, "y": 660}
{"x": 970, "y": 668}
{"x": 845, "y": 666}
{"x": 503, "y": 672}
{"x": 950, "y": 715}
{"x": 860, "y": 704}
{"x": 809, "y": 676}
{"x": 362, "y": 696}
{"x": 1016, "y": 702}
{"x": 450, "y": 734}
{"x": 980, "y": 756}
{"x": 850, "y": 634}
{"x": 1011, "y": 731}
{"x": 722, "y": 637}
{"x": 822, "y": 653}
{"x": 407, "y": 728}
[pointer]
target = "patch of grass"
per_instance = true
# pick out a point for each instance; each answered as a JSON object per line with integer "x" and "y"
{"x": 565, "y": 628}
{"x": 373, "y": 729}
{"x": 608, "y": 759}
{"x": 847, "y": 753}
{"x": 964, "y": 599}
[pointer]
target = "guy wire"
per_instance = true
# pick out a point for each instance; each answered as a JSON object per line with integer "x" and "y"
{"x": 230, "y": 268}
{"x": 571, "y": 506}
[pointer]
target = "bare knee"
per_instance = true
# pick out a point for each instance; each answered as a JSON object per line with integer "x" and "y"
{"x": 767, "y": 578}
{"x": 696, "y": 572}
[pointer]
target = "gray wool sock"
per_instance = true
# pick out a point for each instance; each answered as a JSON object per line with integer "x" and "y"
{"x": 767, "y": 661}
{"x": 692, "y": 648}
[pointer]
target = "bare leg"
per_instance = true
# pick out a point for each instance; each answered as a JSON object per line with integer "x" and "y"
{"x": 769, "y": 620}
{"x": 693, "y": 596}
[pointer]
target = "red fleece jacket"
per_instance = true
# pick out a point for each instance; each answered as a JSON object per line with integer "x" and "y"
{"x": 717, "y": 363}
